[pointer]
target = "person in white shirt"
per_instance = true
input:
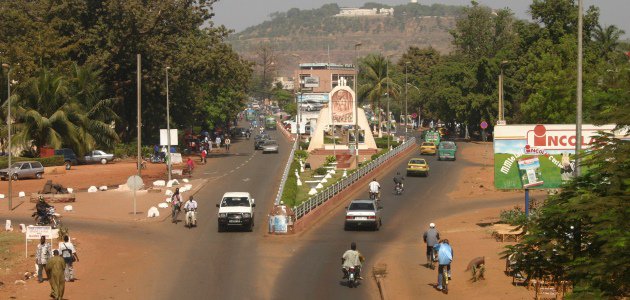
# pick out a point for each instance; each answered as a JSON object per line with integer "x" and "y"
{"x": 352, "y": 259}
{"x": 69, "y": 254}
{"x": 375, "y": 188}
{"x": 191, "y": 210}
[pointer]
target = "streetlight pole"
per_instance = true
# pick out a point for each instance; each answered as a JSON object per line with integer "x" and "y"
{"x": 168, "y": 128}
{"x": 419, "y": 108}
{"x": 389, "y": 123}
{"x": 356, "y": 103}
{"x": 8, "y": 67}
{"x": 406, "y": 107}
{"x": 578, "y": 120}
{"x": 501, "y": 108}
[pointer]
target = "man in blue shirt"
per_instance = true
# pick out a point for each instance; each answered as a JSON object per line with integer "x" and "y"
{"x": 445, "y": 257}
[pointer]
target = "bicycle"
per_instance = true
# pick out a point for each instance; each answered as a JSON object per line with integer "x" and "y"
{"x": 431, "y": 259}
{"x": 445, "y": 279}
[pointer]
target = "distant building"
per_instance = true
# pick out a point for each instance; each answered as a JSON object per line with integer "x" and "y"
{"x": 413, "y": 1}
{"x": 323, "y": 77}
{"x": 364, "y": 12}
{"x": 287, "y": 83}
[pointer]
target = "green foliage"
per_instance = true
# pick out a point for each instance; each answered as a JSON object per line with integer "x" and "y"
{"x": 126, "y": 150}
{"x": 55, "y": 160}
{"x": 301, "y": 154}
{"x": 582, "y": 234}
{"x": 330, "y": 159}
{"x": 515, "y": 216}
{"x": 320, "y": 171}
{"x": 376, "y": 155}
{"x": 289, "y": 193}
{"x": 381, "y": 143}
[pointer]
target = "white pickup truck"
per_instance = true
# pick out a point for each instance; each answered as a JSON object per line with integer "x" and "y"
{"x": 236, "y": 209}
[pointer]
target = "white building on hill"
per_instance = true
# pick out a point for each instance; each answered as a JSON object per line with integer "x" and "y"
{"x": 365, "y": 12}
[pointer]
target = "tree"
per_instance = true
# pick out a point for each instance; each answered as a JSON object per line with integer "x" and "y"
{"x": 607, "y": 39}
{"x": 374, "y": 82}
{"x": 560, "y": 17}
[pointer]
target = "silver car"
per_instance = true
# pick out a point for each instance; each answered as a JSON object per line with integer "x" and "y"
{"x": 363, "y": 213}
{"x": 97, "y": 156}
{"x": 270, "y": 146}
{"x": 23, "y": 169}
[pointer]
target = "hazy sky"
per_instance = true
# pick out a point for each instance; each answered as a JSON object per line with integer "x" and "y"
{"x": 239, "y": 14}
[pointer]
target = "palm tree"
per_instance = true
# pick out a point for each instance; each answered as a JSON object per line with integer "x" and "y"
{"x": 607, "y": 38}
{"x": 375, "y": 82}
{"x": 53, "y": 111}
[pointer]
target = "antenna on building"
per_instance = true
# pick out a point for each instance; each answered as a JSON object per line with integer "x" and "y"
{"x": 329, "y": 55}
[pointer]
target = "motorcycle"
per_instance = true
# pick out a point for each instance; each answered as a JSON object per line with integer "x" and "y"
{"x": 398, "y": 189}
{"x": 352, "y": 275}
{"x": 375, "y": 196}
{"x": 51, "y": 218}
{"x": 191, "y": 220}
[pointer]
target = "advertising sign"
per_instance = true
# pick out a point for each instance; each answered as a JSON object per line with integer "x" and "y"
{"x": 164, "y": 140}
{"x": 342, "y": 110}
{"x": 311, "y": 82}
{"x": 314, "y": 97}
{"x": 538, "y": 156}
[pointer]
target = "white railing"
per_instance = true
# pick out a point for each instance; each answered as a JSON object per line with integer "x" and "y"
{"x": 323, "y": 196}
{"x": 285, "y": 175}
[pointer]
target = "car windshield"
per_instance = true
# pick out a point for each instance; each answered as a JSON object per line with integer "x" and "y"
{"x": 16, "y": 165}
{"x": 361, "y": 206}
{"x": 417, "y": 162}
{"x": 428, "y": 144}
{"x": 235, "y": 201}
{"x": 447, "y": 146}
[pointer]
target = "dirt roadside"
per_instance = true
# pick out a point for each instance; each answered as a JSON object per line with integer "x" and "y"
{"x": 468, "y": 239}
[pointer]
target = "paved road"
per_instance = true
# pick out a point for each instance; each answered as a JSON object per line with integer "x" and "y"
{"x": 317, "y": 261}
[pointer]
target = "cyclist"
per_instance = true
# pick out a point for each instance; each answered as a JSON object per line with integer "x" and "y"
{"x": 431, "y": 238}
{"x": 445, "y": 257}
{"x": 375, "y": 189}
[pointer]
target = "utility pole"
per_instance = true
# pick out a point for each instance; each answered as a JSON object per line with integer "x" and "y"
{"x": 356, "y": 104}
{"x": 8, "y": 67}
{"x": 578, "y": 121}
{"x": 139, "y": 120}
{"x": 406, "y": 111}
{"x": 168, "y": 129}
{"x": 501, "y": 107}
{"x": 389, "y": 123}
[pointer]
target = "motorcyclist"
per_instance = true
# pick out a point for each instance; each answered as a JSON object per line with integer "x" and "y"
{"x": 352, "y": 259}
{"x": 190, "y": 207}
{"x": 374, "y": 188}
{"x": 398, "y": 180}
{"x": 42, "y": 209}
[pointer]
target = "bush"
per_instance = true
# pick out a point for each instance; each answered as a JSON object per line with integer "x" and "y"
{"x": 375, "y": 156}
{"x": 330, "y": 159}
{"x": 320, "y": 171}
{"x": 131, "y": 150}
{"x": 56, "y": 160}
{"x": 515, "y": 216}
{"x": 289, "y": 193}
{"x": 304, "y": 145}
{"x": 301, "y": 154}
{"x": 382, "y": 142}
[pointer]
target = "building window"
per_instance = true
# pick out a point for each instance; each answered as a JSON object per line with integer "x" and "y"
{"x": 335, "y": 79}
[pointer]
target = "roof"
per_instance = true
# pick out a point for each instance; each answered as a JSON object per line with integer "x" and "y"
{"x": 362, "y": 201}
{"x": 236, "y": 194}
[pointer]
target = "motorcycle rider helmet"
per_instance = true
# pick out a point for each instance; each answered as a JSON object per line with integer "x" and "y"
{"x": 432, "y": 225}
{"x": 191, "y": 198}
{"x": 353, "y": 246}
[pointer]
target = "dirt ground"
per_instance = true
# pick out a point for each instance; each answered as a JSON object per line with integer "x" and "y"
{"x": 468, "y": 239}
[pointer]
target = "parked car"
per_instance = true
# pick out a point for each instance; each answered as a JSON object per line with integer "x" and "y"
{"x": 23, "y": 169}
{"x": 363, "y": 213}
{"x": 270, "y": 146}
{"x": 236, "y": 209}
{"x": 311, "y": 105}
{"x": 97, "y": 156}
{"x": 427, "y": 148}
{"x": 69, "y": 158}
{"x": 447, "y": 150}
{"x": 417, "y": 166}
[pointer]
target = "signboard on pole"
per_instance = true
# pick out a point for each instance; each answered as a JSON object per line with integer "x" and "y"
{"x": 311, "y": 82}
{"x": 484, "y": 125}
{"x": 36, "y": 232}
{"x": 538, "y": 156}
{"x": 342, "y": 102}
{"x": 164, "y": 139}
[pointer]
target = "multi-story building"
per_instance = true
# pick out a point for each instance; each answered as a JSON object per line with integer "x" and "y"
{"x": 322, "y": 77}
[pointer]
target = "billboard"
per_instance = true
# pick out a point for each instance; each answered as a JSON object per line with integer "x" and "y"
{"x": 164, "y": 137}
{"x": 342, "y": 104}
{"x": 538, "y": 156}
{"x": 311, "y": 82}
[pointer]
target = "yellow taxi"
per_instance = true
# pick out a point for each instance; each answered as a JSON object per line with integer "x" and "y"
{"x": 417, "y": 166}
{"x": 428, "y": 148}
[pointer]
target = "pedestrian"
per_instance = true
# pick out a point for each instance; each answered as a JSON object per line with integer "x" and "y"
{"x": 176, "y": 202}
{"x": 217, "y": 141}
{"x": 227, "y": 144}
{"x": 69, "y": 254}
{"x": 190, "y": 164}
{"x": 42, "y": 255}
{"x": 204, "y": 153}
{"x": 55, "y": 269}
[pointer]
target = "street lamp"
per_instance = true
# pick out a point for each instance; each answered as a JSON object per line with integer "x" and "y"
{"x": 501, "y": 102}
{"x": 406, "y": 108}
{"x": 297, "y": 102}
{"x": 8, "y": 67}
{"x": 578, "y": 117}
{"x": 168, "y": 128}
{"x": 419, "y": 108}
{"x": 356, "y": 104}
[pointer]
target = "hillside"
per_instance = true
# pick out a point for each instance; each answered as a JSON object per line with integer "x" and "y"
{"x": 306, "y": 35}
